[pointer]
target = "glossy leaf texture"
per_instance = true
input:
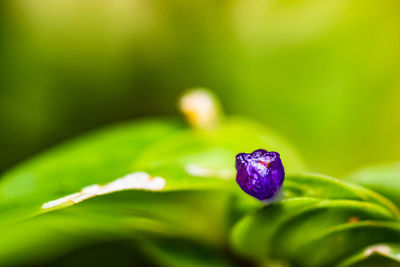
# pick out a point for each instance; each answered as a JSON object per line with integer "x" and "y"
{"x": 320, "y": 222}
{"x": 194, "y": 207}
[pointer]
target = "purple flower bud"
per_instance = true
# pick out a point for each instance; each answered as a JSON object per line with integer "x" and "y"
{"x": 260, "y": 174}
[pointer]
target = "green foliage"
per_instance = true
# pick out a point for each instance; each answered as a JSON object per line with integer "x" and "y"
{"x": 384, "y": 179}
{"x": 385, "y": 255}
{"x": 162, "y": 148}
{"x": 200, "y": 217}
{"x": 323, "y": 222}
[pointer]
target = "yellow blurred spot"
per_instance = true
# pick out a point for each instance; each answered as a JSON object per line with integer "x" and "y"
{"x": 200, "y": 108}
{"x": 354, "y": 219}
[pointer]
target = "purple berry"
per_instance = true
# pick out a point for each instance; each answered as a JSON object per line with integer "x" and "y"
{"x": 260, "y": 174}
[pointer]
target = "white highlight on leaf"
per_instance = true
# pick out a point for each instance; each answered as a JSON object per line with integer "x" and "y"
{"x": 202, "y": 171}
{"x": 137, "y": 180}
{"x": 380, "y": 249}
{"x": 60, "y": 201}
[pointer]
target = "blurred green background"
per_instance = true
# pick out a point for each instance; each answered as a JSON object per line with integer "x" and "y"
{"x": 325, "y": 74}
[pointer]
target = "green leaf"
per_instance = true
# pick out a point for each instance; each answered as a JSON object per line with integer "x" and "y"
{"x": 95, "y": 158}
{"x": 345, "y": 239}
{"x": 320, "y": 186}
{"x": 251, "y": 236}
{"x": 198, "y": 167}
{"x": 127, "y": 215}
{"x": 317, "y": 213}
{"x": 161, "y": 148}
{"x": 384, "y": 179}
{"x": 178, "y": 252}
{"x": 383, "y": 255}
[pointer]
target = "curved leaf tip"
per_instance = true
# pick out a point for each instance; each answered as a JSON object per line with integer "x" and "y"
{"x": 137, "y": 180}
